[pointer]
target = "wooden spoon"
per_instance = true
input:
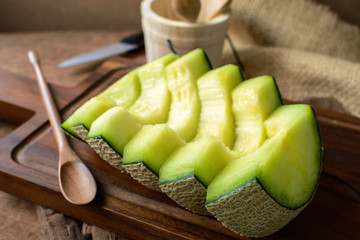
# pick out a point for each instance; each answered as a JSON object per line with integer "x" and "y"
{"x": 76, "y": 181}
{"x": 186, "y": 10}
{"x": 212, "y": 8}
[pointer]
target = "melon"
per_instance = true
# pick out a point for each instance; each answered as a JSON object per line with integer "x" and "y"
{"x": 212, "y": 142}
{"x": 145, "y": 153}
{"x": 79, "y": 123}
{"x": 182, "y": 76}
{"x": 104, "y": 135}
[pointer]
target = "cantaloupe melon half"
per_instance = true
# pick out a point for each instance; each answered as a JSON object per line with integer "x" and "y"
{"x": 259, "y": 193}
{"x": 190, "y": 169}
{"x": 123, "y": 93}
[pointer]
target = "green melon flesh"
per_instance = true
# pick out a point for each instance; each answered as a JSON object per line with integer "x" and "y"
{"x": 186, "y": 173}
{"x": 284, "y": 170}
{"x": 80, "y": 122}
{"x": 193, "y": 166}
{"x": 182, "y": 75}
{"x": 150, "y": 147}
{"x": 216, "y": 120}
{"x": 291, "y": 177}
{"x": 253, "y": 101}
{"x": 202, "y": 159}
{"x": 110, "y": 133}
{"x": 152, "y": 106}
{"x": 67, "y": 128}
{"x": 216, "y": 117}
{"x": 125, "y": 91}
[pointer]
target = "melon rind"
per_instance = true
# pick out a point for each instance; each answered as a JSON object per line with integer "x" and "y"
{"x": 251, "y": 212}
{"x": 143, "y": 175}
{"x": 81, "y": 131}
{"x": 105, "y": 151}
{"x": 184, "y": 189}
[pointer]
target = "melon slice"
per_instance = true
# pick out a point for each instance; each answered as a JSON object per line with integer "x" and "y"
{"x": 110, "y": 133}
{"x": 123, "y": 93}
{"x": 253, "y": 101}
{"x": 185, "y": 104}
{"x": 152, "y": 106}
{"x": 190, "y": 169}
{"x": 259, "y": 193}
{"x": 216, "y": 117}
{"x": 146, "y": 152}
{"x": 79, "y": 123}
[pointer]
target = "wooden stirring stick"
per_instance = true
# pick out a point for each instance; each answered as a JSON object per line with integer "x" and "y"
{"x": 186, "y": 10}
{"x": 212, "y": 8}
{"x": 76, "y": 181}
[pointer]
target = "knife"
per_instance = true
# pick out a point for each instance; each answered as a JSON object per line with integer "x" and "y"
{"x": 132, "y": 42}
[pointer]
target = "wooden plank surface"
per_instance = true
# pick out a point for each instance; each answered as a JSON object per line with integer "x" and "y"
{"x": 28, "y": 169}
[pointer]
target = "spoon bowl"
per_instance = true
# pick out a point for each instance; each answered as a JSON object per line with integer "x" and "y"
{"x": 75, "y": 177}
{"x": 76, "y": 182}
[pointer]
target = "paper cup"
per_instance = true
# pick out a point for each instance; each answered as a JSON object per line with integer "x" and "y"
{"x": 159, "y": 29}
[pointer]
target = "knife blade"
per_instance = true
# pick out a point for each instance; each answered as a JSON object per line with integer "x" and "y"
{"x": 132, "y": 42}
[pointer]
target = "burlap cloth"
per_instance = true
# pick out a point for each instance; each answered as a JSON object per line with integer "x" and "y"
{"x": 314, "y": 56}
{"x": 311, "y": 53}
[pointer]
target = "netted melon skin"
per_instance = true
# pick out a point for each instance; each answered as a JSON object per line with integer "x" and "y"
{"x": 105, "y": 151}
{"x": 251, "y": 212}
{"x": 81, "y": 131}
{"x": 188, "y": 193}
{"x": 143, "y": 175}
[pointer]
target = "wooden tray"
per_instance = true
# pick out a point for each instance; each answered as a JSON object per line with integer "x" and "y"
{"x": 28, "y": 163}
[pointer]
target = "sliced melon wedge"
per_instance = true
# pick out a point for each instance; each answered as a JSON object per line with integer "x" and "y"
{"x": 253, "y": 101}
{"x": 187, "y": 172}
{"x": 190, "y": 169}
{"x": 261, "y": 192}
{"x": 152, "y": 106}
{"x": 216, "y": 117}
{"x": 146, "y": 152}
{"x": 185, "y": 104}
{"x": 79, "y": 123}
{"x": 110, "y": 133}
{"x": 123, "y": 93}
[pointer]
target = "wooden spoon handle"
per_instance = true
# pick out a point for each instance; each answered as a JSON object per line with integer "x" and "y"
{"x": 50, "y": 106}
